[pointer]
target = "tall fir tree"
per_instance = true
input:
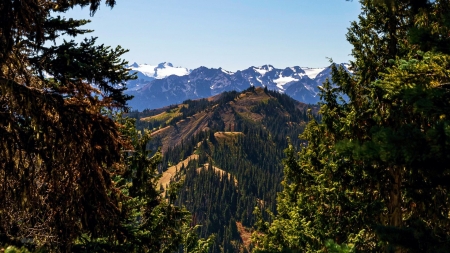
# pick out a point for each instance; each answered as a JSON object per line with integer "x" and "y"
{"x": 372, "y": 174}
{"x": 58, "y": 147}
{"x": 71, "y": 177}
{"x": 148, "y": 222}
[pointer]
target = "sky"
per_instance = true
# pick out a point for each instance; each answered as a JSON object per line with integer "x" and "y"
{"x": 232, "y": 34}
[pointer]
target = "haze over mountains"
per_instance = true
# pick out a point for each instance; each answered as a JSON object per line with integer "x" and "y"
{"x": 163, "y": 84}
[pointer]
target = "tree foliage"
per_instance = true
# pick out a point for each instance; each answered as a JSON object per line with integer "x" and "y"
{"x": 72, "y": 177}
{"x": 58, "y": 148}
{"x": 148, "y": 223}
{"x": 373, "y": 173}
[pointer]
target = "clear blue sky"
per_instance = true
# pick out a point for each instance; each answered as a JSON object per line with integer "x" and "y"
{"x": 232, "y": 34}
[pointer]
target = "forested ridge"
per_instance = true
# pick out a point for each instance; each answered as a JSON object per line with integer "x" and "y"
{"x": 244, "y": 135}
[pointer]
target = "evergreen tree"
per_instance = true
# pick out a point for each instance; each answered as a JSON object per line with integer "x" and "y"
{"x": 71, "y": 177}
{"x": 59, "y": 148}
{"x": 372, "y": 174}
{"x": 149, "y": 223}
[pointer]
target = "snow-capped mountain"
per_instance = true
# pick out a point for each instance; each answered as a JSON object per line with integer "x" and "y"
{"x": 164, "y": 84}
{"x": 146, "y": 73}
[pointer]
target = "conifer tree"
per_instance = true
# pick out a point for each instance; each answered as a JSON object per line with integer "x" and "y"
{"x": 63, "y": 158}
{"x": 148, "y": 222}
{"x": 59, "y": 148}
{"x": 372, "y": 175}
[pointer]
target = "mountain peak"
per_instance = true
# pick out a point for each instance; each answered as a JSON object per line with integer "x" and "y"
{"x": 263, "y": 69}
{"x": 134, "y": 65}
{"x": 165, "y": 65}
{"x": 267, "y": 67}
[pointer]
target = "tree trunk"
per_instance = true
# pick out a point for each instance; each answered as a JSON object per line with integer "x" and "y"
{"x": 395, "y": 217}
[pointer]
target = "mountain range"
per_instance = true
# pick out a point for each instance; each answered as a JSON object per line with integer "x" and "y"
{"x": 163, "y": 84}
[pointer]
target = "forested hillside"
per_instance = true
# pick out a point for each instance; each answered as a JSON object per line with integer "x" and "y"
{"x": 232, "y": 145}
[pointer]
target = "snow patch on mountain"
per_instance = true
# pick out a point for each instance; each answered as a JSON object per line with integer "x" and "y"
{"x": 282, "y": 81}
{"x": 263, "y": 69}
{"x": 226, "y": 71}
{"x": 310, "y": 88}
{"x": 159, "y": 71}
{"x": 312, "y": 72}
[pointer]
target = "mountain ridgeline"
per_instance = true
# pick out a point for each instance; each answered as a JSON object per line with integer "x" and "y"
{"x": 228, "y": 151}
{"x": 163, "y": 85}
